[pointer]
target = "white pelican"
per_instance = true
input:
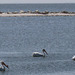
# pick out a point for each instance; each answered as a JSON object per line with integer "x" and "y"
{"x": 37, "y": 54}
{"x": 2, "y": 66}
{"x": 73, "y": 58}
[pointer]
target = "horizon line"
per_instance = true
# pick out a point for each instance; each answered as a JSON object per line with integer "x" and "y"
{"x": 41, "y": 3}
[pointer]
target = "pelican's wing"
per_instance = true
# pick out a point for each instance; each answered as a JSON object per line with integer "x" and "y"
{"x": 37, "y": 54}
{"x": 73, "y": 57}
{"x": 2, "y": 68}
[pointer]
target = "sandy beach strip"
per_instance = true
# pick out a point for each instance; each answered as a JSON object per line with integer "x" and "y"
{"x": 34, "y": 14}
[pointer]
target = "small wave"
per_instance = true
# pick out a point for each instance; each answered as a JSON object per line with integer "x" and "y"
{"x": 10, "y": 52}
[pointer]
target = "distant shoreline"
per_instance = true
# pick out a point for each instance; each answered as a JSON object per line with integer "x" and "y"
{"x": 29, "y": 14}
{"x": 35, "y": 13}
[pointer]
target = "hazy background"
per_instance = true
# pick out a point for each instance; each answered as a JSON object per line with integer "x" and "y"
{"x": 37, "y": 1}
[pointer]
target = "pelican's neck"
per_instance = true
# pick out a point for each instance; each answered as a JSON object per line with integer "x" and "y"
{"x": 44, "y": 54}
{"x": 3, "y": 67}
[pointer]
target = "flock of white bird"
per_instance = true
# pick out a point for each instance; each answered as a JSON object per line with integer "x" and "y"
{"x": 35, "y": 54}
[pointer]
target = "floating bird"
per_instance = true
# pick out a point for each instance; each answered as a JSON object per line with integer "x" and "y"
{"x": 37, "y": 54}
{"x": 2, "y": 66}
{"x": 73, "y": 58}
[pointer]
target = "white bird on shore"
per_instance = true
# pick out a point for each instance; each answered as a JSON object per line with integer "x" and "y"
{"x": 73, "y": 58}
{"x": 2, "y": 66}
{"x": 37, "y": 54}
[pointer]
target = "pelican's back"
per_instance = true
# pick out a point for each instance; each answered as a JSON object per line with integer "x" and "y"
{"x": 37, "y": 54}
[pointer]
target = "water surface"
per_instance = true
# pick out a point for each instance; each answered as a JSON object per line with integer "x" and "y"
{"x": 20, "y": 36}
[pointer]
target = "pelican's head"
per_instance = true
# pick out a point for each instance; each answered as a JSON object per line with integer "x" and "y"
{"x": 44, "y": 51}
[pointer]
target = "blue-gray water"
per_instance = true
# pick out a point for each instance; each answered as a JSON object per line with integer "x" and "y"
{"x": 20, "y": 36}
